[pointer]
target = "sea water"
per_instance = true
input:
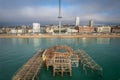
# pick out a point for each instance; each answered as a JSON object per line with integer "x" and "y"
{"x": 15, "y": 52}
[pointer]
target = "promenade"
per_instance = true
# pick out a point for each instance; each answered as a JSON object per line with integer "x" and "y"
{"x": 60, "y": 36}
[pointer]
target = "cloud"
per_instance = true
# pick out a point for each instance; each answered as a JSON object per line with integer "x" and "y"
{"x": 47, "y": 11}
{"x": 29, "y": 14}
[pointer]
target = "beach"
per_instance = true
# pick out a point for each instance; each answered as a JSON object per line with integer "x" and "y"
{"x": 60, "y": 36}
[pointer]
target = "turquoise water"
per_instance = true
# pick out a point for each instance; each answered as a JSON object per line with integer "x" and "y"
{"x": 105, "y": 51}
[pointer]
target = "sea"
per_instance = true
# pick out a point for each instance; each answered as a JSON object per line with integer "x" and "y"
{"x": 15, "y": 52}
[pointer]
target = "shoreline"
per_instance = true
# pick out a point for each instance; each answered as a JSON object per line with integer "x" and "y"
{"x": 61, "y": 36}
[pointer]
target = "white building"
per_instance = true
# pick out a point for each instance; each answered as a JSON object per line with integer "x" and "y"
{"x": 19, "y": 31}
{"x": 49, "y": 30}
{"x": 13, "y": 31}
{"x": 104, "y": 29}
{"x": 72, "y": 30}
{"x": 36, "y": 27}
{"x": 77, "y": 21}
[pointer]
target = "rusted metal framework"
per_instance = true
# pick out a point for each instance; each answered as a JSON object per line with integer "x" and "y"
{"x": 88, "y": 63}
{"x": 61, "y": 57}
{"x": 62, "y": 63}
{"x": 31, "y": 69}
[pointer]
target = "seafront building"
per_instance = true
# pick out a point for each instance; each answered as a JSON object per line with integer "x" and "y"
{"x": 104, "y": 29}
{"x": 64, "y": 29}
{"x": 13, "y": 31}
{"x": 19, "y": 31}
{"x": 69, "y": 30}
{"x": 85, "y": 29}
{"x": 30, "y": 30}
{"x": 115, "y": 29}
{"x": 42, "y": 29}
{"x": 49, "y": 29}
{"x": 6, "y": 30}
{"x": 77, "y": 21}
{"x": 54, "y": 29}
{"x": 36, "y": 27}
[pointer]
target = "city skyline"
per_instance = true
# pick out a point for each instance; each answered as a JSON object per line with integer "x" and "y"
{"x": 14, "y": 12}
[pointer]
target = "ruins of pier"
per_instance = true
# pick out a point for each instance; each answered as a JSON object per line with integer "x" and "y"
{"x": 61, "y": 57}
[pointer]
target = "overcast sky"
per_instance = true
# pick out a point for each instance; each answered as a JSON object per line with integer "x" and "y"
{"x": 19, "y": 12}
